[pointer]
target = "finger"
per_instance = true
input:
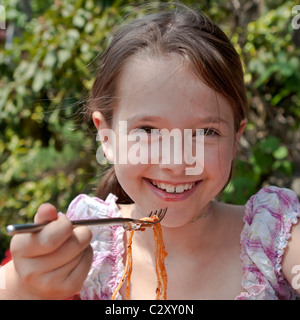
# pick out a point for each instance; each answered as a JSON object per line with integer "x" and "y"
{"x": 51, "y": 237}
{"x": 70, "y": 249}
{"x": 79, "y": 272}
{"x": 26, "y": 243}
{"x": 68, "y": 279}
{"x": 77, "y": 243}
{"x": 46, "y": 212}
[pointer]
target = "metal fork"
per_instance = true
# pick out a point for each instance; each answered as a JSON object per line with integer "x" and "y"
{"x": 127, "y": 223}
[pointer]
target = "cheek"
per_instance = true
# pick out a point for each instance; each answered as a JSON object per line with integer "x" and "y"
{"x": 125, "y": 172}
{"x": 217, "y": 161}
{"x": 129, "y": 177}
{"x": 127, "y": 166}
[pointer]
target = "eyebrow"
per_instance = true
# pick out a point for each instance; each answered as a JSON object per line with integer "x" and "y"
{"x": 209, "y": 119}
{"x": 144, "y": 118}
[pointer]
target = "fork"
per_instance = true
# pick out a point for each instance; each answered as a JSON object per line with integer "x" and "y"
{"x": 127, "y": 223}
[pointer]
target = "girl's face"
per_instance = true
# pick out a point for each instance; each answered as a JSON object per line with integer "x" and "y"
{"x": 162, "y": 93}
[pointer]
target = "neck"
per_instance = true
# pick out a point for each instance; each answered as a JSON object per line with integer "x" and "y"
{"x": 195, "y": 236}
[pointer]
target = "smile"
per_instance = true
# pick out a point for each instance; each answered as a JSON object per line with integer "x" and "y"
{"x": 172, "y": 188}
{"x": 167, "y": 191}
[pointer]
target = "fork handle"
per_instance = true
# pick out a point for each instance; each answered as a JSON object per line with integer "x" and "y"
{"x": 35, "y": 227}
{"x": 13, "y": 229}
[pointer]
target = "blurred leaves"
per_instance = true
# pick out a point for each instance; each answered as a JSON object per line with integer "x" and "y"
{"x": 270, "y": 149}
{"x": 48, "y": 155}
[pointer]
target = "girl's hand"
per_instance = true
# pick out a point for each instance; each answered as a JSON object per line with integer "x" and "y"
{"x": 52, "y": 263}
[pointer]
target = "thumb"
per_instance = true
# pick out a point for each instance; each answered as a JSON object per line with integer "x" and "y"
{"x": 45, "y": 213}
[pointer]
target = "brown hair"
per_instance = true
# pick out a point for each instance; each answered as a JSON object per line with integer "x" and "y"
{"x": 190, "y": 34}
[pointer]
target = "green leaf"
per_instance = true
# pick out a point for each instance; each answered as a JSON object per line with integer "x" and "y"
{"x": 280, "y": 153}
{"x": 63, "y": 55}
{"x": 38, "y": 81}
{"x": 269, "y": 145}
{"x": 78, "y": 21}
{"x": 284, "y": 166}
{"x": 50, "y": 59}
{"x": 4, "y": 93}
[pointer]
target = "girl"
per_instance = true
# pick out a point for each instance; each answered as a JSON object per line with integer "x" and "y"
{"x": 170, "y": 70}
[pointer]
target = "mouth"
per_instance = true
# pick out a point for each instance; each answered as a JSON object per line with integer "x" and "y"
{"x": 172, "y": 191}
{"x": 172, "y": 188}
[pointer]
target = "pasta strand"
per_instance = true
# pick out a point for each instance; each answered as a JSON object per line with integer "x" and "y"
{"x": 160, "y": 255}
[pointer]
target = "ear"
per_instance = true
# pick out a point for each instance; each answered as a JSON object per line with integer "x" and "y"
{"x": 98, "y": 119}
{"x": 238, "y": 135}
{"x": 105, "y": 135}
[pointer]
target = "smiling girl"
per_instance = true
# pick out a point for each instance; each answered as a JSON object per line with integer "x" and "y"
{"x": 171, "y": 70}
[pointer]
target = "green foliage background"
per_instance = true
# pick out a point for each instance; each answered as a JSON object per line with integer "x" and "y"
{"x": 48, "y": 155}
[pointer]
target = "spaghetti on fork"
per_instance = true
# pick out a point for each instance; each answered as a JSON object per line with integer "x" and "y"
{"x": 160, "y": 255}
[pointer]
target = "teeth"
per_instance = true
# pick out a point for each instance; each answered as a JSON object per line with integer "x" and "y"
{"x": 170, "y": 188}
{"x": 179, "y": 188}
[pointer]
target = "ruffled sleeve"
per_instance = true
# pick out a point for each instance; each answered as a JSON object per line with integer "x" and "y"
{"x": 268, "y": 219}
{"x": 107, "y": 243}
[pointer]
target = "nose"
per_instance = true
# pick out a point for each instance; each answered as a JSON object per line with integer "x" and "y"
{"x": 182, "y": 168}
{"x": 176, "y": 154}
{"x": 173, "y": 169}
{"x": 171, "y": 157}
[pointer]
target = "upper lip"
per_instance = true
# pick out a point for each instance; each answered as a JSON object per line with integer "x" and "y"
{"x": 173, "y": 182}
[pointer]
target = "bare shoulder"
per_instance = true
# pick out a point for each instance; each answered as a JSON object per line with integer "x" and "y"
{"x": 291, "y": 258}
{"x": 231, "y": 223}
{"x": 230, "y": 212}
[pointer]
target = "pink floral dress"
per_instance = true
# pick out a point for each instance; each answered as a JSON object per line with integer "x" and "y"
{"x": 268, "y": 218}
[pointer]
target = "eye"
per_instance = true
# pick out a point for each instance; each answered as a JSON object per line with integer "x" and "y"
{"x": 206, "y": 132}
{"x": 147, "y": 129}
{"x": 210, "y": 132}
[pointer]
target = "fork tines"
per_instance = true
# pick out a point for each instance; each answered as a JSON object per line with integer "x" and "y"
{"x": 161, "y": 213}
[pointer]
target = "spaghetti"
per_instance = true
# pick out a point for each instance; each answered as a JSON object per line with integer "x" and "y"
{"x": 160, "y": 255}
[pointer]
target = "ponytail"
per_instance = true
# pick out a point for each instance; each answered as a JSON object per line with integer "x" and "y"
{"x": 110, "y": 184}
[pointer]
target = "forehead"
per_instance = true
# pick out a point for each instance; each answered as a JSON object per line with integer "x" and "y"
{"x": 166, "y": 87}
